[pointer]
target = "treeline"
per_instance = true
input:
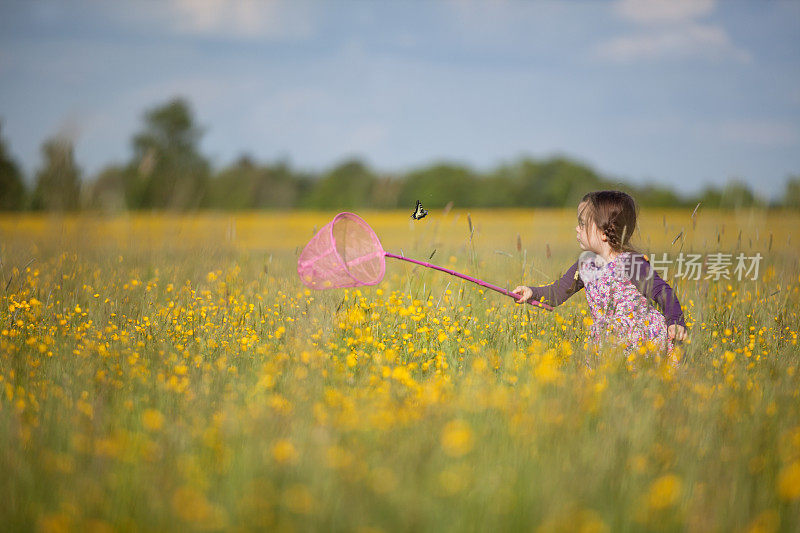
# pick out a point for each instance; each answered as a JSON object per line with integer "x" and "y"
{"x": 168, "y": 171}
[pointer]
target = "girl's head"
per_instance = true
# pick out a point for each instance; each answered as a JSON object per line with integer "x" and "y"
{"x": 606, "y": 218}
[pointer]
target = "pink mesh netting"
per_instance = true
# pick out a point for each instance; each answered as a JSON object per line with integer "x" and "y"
{"x": 344, "y": 253}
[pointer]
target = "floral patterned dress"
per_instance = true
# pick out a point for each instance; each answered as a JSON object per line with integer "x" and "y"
{"x": 619, "y": 311}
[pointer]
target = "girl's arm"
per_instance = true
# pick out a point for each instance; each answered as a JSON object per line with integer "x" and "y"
{"x": 656, "y": 289}
{"x": 560, "y": 290}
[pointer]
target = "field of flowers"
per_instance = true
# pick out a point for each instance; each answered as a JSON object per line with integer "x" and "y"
{"x": 169, "y": 372}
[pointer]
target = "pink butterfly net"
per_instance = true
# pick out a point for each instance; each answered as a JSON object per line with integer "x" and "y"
{"x": 344, "y": 253}
{"x": 347, "y": 253}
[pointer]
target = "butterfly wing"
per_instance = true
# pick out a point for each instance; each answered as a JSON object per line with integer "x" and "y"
{"x": 419, "y": 212}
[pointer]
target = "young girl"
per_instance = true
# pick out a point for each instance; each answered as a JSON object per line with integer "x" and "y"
{"x": 618, "y": 280}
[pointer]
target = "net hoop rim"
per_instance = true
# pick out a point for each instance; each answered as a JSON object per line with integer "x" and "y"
{"x": 375, "y": 239}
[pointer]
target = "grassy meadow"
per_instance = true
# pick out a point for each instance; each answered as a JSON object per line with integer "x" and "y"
{"x": 170, "y": 372}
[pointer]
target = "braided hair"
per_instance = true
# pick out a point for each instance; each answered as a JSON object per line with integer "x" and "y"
{"x": 614, "y": 214}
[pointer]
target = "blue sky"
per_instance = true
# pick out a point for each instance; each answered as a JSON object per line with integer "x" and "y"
{"x": 679, "y": 92}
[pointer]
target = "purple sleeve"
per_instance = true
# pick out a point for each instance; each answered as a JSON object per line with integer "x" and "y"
{"x": 560, "y": 290}
{"x": 656, "y": 289}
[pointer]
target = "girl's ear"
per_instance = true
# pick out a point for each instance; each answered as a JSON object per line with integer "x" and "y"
{"x": 603, "y": 237}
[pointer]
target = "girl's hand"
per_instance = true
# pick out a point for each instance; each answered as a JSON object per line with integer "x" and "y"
{"x": 676, "y": 332}
{"x": 525, "y": 293}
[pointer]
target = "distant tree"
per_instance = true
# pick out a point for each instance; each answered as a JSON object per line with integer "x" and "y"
{"x": 498, "y": 189}
{"x": 275, "y": 186}
{"x": 348, "y": 185}
{"x": 711, "y": 197}
{"x": 791, "y": 194}
{"x": 657, "y": 196}
{"x": 525, "y": 177}
{"x": 107, "y": 192}
{"x": 386, "y": 192}
{"x": 439, "y": 184}
{"x": 733, "y": 194}
{"x": 168, "y": 170}
{"x": 12, "y": 186}
{"x": 58, "y": 183}
{"x": 305, "y": 188}
{"x": 246, "y": 185}
{"x": 232, "y": 188}
{"x": 555, "y": 182}
{"x": 565, "y": 182}
{"x": 736, "y": 193}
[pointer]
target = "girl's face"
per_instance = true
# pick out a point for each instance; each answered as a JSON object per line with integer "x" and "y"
{"x": 589, "y": 237}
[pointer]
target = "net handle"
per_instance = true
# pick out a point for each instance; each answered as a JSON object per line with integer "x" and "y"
{"x": 469, "y": 278}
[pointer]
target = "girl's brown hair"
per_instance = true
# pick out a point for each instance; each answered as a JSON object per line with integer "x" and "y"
{"x": 614, "y": 214}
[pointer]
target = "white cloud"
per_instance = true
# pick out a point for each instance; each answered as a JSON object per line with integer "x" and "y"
{"x": 757, "y": 132}
{"x": 230, "y": 19}
{"x": 248, "y": 19}
{"x": 669, "y": 29}
{"x": 679, "y": 41}
{"x": 752, "y": 131}
{"x": 660, "y": 11}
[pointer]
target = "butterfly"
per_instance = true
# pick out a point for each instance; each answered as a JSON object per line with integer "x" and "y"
{"x": 419, "y": 212}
